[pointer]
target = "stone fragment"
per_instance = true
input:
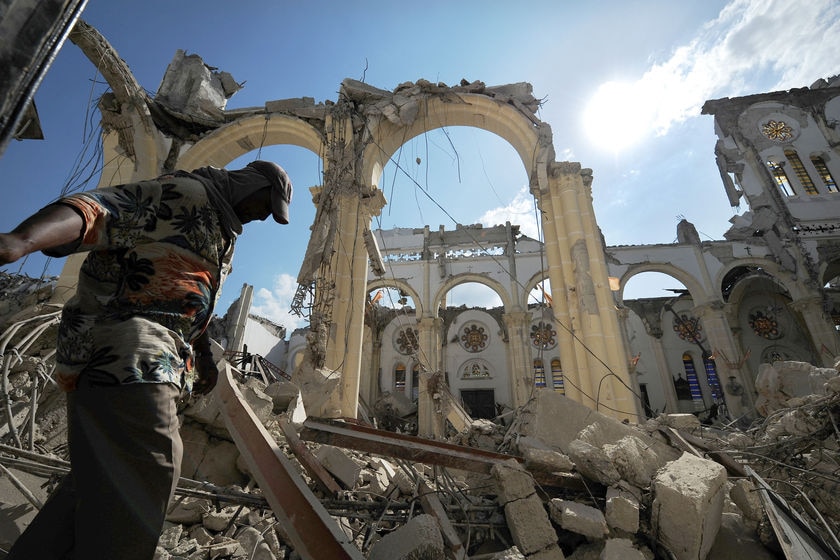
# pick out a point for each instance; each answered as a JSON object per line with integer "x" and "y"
{"x": 222, "y": 547}
{"x": 170, "y": 535}
{"x": 514, "y": 482}
{"x": 509, "y": 554}
{"x": 687, "y": 422}
{"x": 218, "y": 520}
{"x": 622, "y": 511}
{"x": 420, "y": 538}
{"x": 545, "y": 460}
{"x": 254, "y": 545}
{"x": 339, "y": 465}
{"x": 745, "y": 496}
{"x": 687, "y": 506}
{"x": 553, "y": 552}
{"x": 529, "y": 525}
{"x": 281, "y": 394}
{"x": 188, "y": 511}
{"x": 592, "y": 463}
{"x": 185, "y": 548}
{"x": 634, "y": 461}
{"x": 621, "y": 549}
{"x": 578, "y": 518}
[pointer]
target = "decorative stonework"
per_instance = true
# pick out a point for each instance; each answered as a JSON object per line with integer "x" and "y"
{"x": 543, "y": 335}
{"x": 474, "y": 338}
{"x": 475, "y": 369}
{"x": 765, "y": 326}
{"x": 688, "y": 328}
{"x": 406, "y": 341}
{"x": 778, "y": 131}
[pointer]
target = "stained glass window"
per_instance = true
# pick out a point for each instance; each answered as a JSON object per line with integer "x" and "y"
{"x": 825, "y": 174}
{"x": 557, "y": 376}
{"x": 781, "y": 178}
{"x": 399, "y": 378}
{"x": 539, "y": 373}
{"x": 801, "y": 172}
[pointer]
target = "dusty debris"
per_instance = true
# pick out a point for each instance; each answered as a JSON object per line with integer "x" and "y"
{"x": 587, "y": 487}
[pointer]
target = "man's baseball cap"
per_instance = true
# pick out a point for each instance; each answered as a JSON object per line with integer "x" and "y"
{"x": 281, "y": 188}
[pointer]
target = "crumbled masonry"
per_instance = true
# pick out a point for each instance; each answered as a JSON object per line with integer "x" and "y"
{"x": 585, "y": 487}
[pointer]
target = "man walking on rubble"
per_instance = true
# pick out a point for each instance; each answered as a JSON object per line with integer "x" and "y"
{"x": 131, "y": 339}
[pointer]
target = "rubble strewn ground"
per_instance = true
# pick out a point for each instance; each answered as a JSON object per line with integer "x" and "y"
{"x": 668, "y": 488}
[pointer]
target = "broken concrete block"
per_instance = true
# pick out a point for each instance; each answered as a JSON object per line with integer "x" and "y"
{"x": 419, "y": 538}
{"x": 170, "y": 535}
{"x": 254, "y": 545}
{"x": 187, "y": 548}
{"x": 281, "y": 394}
{"x": 260, "y": 403}
{"x": 592, "y": 463}
{"x": 217, "y": 521}
{"x": 188, "y": 511}
{"x": 621, "y": 549}
{"x": 513, "y": 481}
{"x": 634, "y": 461}
{"x": 687, "y": 422}
{"x": 529, "y": 525}
{"x": 687, "y": 506}
{"x": 345, "y": 469}
{"x": 545, "y": 460}
{"x": 578, "y": 518}
{"x": 622, "y": 511}
{"x": 745, "y": 496}
{"x": 509, "y": 554}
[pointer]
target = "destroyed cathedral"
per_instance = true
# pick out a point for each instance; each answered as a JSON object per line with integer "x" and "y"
{"x": 575, "y": 424}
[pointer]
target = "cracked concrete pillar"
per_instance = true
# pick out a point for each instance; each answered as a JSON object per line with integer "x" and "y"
{"x": 519, "y": 356}
{"x": 577, "y": 263}
{"x": 429, "y": 421}
{"x": 350, "y": 267}
{"x": 820, "y": 329}
{"x": 723, "y": 344}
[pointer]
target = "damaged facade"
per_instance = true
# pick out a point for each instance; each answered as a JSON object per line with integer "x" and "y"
{"x": 578, "y": 474}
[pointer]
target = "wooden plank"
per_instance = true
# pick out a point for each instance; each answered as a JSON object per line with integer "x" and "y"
{"x": 314, "y": 534}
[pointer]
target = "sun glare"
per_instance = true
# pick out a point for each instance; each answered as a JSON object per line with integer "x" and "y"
{"x": 617, "y": 116}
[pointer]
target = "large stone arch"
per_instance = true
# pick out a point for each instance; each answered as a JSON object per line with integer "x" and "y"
{"x": 779, "y": 276}
{"x": 241, "y": 136}
{"x": 532, "y": 282}
{"x": 507, "y": 301}
{"x": 473, "y": 110}
{"x": 400, "y": 285}
{"x": 698, "y": 292}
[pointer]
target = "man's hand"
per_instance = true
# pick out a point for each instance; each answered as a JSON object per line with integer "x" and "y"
{"x": 206, "y": 374}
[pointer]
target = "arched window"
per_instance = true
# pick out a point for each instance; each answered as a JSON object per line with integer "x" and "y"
{"x": 712, "y": 378}
{"x": 399, "y": 378}
{"x": 780, "y": 177}
{"x": 557, "y": 376}
{"x": 801, "y": 172}
{"x": 539, "y": 373}
{"x": 415, "y": 382}
{"x": 825, "y": 174}
{"x": 693, "y": 382}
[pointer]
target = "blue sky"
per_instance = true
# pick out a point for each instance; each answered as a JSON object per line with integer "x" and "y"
{"x": 662, "y": 58}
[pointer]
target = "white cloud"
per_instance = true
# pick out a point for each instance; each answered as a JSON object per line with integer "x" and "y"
{"x": 275, "y": 304}
{"x": 752, "y": 46}
{"x": 520, "y": 211}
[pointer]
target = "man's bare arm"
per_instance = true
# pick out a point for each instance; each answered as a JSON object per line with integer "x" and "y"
{"x": 52, "y": 227}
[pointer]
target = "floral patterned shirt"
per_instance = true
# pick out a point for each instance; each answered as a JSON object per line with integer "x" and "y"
{"x": 147, "y": 288}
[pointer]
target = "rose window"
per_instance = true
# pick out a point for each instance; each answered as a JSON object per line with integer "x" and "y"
{"x": 474, "y": 339}
{"x": 543, "y": 336}
{"x": 407, "y": 341}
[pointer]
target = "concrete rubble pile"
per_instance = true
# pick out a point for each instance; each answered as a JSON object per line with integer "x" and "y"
{"x": 563, "y": 481}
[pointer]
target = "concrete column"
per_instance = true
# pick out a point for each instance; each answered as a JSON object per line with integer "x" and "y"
{"x": 820, "y": 329}
{"x": 555, "y": 248}
{"x": 593, "y": 317}
{"x": 519, "y": 356}
{"x": 722, "y": 343}
{"x": 429, "y": 421}
{"x": 349, "y": 265}
{"x": 665, "y": 376}
{"x": 605, "y": 324}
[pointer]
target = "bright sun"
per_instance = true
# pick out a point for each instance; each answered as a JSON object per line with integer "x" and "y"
{"x": 616, "y": 117}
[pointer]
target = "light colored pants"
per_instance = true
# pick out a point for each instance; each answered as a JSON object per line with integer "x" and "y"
{"x": 125, "y": 455}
